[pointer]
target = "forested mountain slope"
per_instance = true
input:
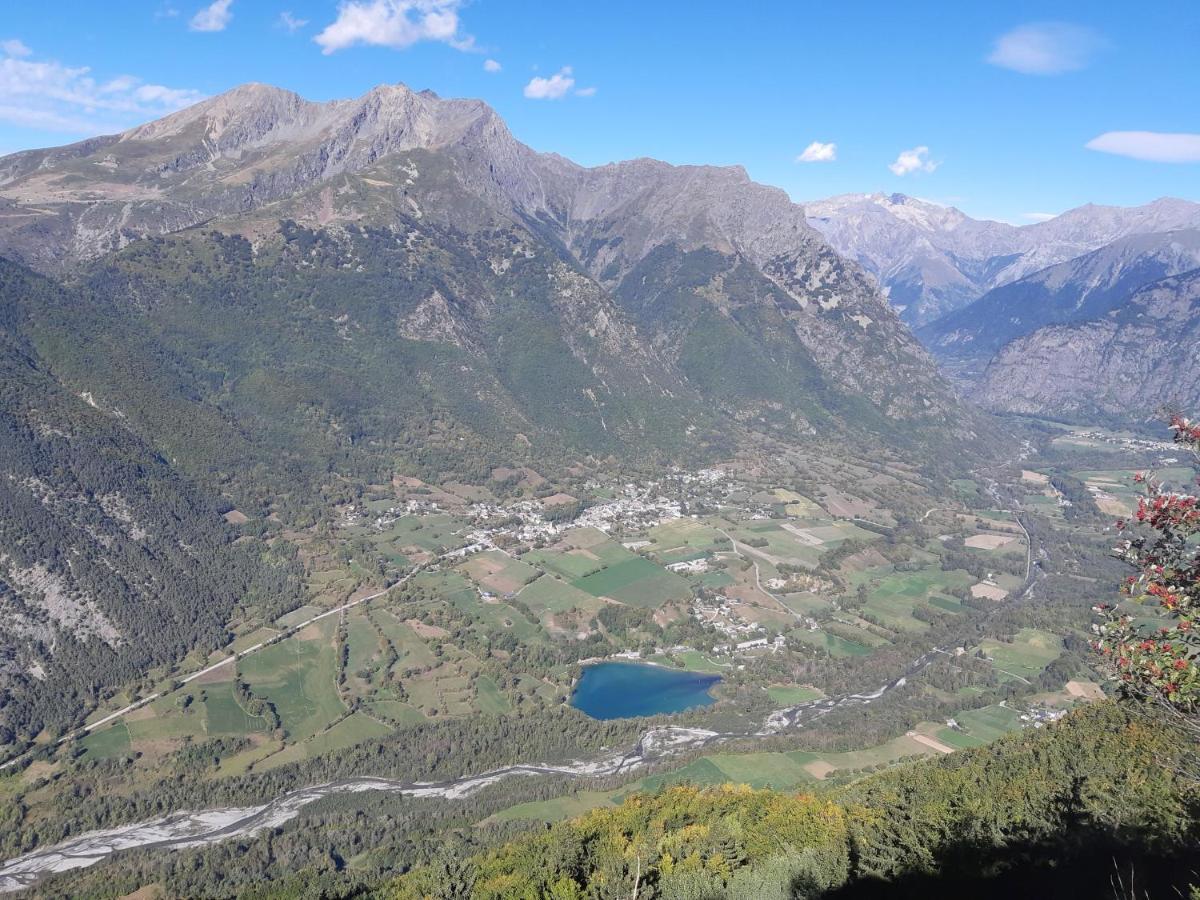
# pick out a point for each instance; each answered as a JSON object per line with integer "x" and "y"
{"x": 110, "y": 562}
{"x": 396, "y": 275}
{"x": 1051, "y": 813}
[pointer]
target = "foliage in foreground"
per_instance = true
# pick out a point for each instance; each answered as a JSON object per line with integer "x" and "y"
{"x": 1034, "y": 799}
{"x": 1161, "y": 543}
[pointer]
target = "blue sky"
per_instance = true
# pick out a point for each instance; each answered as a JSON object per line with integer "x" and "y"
{"x": 989, "y": 107}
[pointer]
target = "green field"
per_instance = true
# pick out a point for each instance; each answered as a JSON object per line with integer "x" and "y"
{"x": 1025, "y": 658}
{"x": 894, "y": 597}
{"x": 789, "y": 695}
{"x": 555, "y": 810}
{"x": 832, "y": 643}
{"x": 488, "y": 697}
{"x": 635, "y": 581}
{"x": 107, "y": 742}
{"x": 346, "y": 733}
{"x": 980, "y": 726}
{"x": 223, "y": 714}
{"x": 549, "y": 594}
{"x": 299, "y": 678}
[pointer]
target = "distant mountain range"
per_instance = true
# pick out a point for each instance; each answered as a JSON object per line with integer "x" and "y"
{"x": 1132, "y": 362}
{"x": 933, "y": 259}
{"x": 1038, "y": 318}
{"x": 1087, "y": 287}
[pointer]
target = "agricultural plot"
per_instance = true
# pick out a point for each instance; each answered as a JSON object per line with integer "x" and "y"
{"x": 298, "y": 676}
{"x": 805, "y": 604}
{"x": 296, "y": 616}
{"x": 498, "y": 617}
{"x": 842, "y": 505}
{"x": 108, "y": 742}
{"x": 433, "y": 532}
{"x": 223, "y": 715}
{"x": 977, "y": 727}
{"x": 791, "y": 694}
{"x": 1115, "y": 491}
{"x": 498, "y": 573}
{"x": 413, "y": 651}
{"x": 556, "y": 809}
{"x": 689, "y": 534}
{"x": 636, "y": 582}
{"x": 349, "y": 731}
{"x": 832, "y": 643}
{"x": 796, "y": 504}
{"x": 550, "y": 594}
{"x": 580, "y": 552}
{"x": 488, "y": 697}
{"x": 991, "y": 541}
{"x": 893, "y": 599}
{"x": 1026, "y": 657}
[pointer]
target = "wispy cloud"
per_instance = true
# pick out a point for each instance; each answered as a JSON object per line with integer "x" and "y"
{"x": 914, "y": 160}
{"x": 586, "y": 92}
{"x": 1039, "y": 217}
{"x": 1152, "y": 146}
{"x": 555, "y": 87}
{"x": 15, "y": 48}
{"x": 290, "y": 23}
{"x": 214, "y": 17}
{"x": 394, "y": 23}
{"x": 48, "y": 95}
{"x": 490, "y": 65}
{"x": 818, "y": 152}
{"x": 1046, "y": 48}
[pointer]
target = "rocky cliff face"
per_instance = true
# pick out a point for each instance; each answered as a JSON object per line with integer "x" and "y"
{"x": 933, "y": 259}
{"x": 1079, "y": 290}
{"x": 1125, "y": 364}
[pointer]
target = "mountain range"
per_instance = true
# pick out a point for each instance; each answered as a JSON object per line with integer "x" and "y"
{"x": 263, "y": 301}
{"x": 933, "y": 259}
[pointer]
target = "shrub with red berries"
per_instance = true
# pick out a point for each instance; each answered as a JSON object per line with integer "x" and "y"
{"x": 1162, "y": 542}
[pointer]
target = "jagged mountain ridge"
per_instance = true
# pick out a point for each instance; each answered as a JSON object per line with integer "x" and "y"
{"x": 934, "y": 259}
{"x": 1127, "y": 364}
{"x": 1078, "y": 290}
{"x": 397, "y": 159}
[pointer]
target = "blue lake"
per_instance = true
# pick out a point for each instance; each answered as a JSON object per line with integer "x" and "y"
{"x": 617, "y": 690}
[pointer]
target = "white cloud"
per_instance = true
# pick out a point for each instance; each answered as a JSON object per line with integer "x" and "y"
{"x": 586, "y": 92}
{"x": 394, "y": 23}
{"x": 51, "y": 96}
{"x": 1152, "y": 146}
{"x": 818, "y": 152}
{"x": 1046, "y": 48}
{"x": 1039, "y": 217}
{"x": 213, "y": 17}
{"x": 555, "y": 87}
{"x": 15, "y": 48}
{"x": 914, "y": 160}
{"x": 290, "y": 23}
{"x": 490, "y": 65}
